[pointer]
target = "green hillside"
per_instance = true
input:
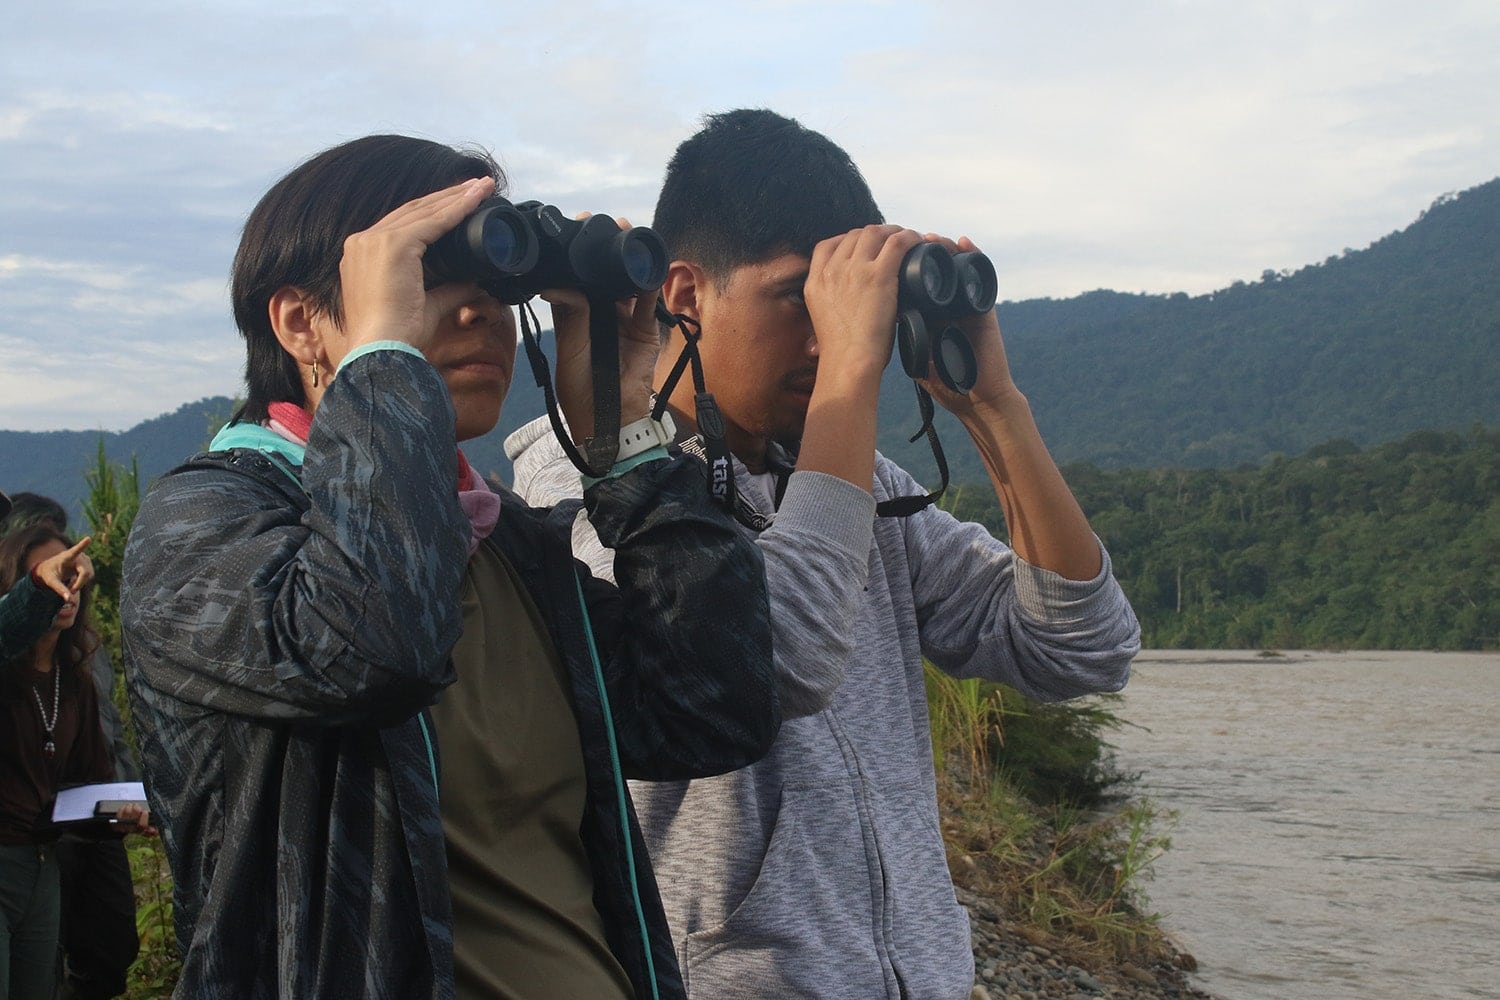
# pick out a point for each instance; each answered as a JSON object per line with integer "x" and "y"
{"x": 1392, "y": 547}
{"x": 1365, "y": 346}
{"x": 53, "y": 463}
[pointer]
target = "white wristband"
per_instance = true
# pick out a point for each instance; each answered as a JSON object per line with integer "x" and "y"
{"x": 644, "y": 434}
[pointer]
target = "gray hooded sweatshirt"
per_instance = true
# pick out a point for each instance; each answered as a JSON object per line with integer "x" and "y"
{"x": 820, "y": 871}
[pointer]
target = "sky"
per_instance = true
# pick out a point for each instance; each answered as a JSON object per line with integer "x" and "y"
{"x": 1144, "y": 146}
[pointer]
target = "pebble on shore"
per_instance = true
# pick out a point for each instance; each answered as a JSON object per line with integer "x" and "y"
{"x": 1009, "y": 966}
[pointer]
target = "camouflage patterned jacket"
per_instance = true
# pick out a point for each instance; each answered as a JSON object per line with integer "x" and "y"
{"x": 286, "y": 628}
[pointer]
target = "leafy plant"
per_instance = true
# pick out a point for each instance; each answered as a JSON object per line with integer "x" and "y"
{"x": 1055, "y": 752}
{"x": 966, "y": 718}
{"x": 1023, "y": 788}
{"x": 114, "y": 498}
{"x": 156, "y": 967}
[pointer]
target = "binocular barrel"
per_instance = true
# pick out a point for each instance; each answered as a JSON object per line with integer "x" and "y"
{"x": 937, "y": 287}
{"x": 945, "y": 285}
{"x": 492, "y": 242}
{"x": 515, "y": 251}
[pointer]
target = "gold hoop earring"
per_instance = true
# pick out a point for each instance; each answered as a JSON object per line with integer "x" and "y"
{"x": 315, "y": 372}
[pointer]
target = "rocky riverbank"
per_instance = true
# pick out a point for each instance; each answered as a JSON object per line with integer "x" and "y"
{"x": 1016, "y": 963}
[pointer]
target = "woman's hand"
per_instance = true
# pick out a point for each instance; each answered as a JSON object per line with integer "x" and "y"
{"x": 380, "y": 275}
{"x": 68, "y": 572}
{"x": 134, "y": 818}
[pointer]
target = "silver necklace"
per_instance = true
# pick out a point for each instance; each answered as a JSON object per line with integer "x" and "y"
{"x": 49, "y": 748}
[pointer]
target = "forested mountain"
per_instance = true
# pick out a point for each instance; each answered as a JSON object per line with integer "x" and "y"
{"x": 54, "y": 463}
{"x": 1366, "y": 346}
{"x": 1393, "y": 547}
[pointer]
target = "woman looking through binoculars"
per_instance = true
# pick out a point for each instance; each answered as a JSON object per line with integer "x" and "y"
{"x": 298, "y": 598}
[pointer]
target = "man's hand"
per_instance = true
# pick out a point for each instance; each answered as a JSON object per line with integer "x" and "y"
{"x": 639, "y": 346}
{"x": 1047, "y": 527}
{"x": 68, "y": 572}
{"x": 993, "y": 386}
{"x": 851, "y": 296}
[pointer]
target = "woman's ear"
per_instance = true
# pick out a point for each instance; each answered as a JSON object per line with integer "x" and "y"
{"x": 680, "y": 292}
{"x": 298, "y": 324}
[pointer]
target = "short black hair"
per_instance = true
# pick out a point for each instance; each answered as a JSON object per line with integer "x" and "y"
{"x": 753, "y": 184}
{"x": 295, "y": 236}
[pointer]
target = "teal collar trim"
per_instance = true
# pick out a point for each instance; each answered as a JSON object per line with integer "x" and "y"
{"x": 257, "y": 438}
{"x": 285, "y": 455}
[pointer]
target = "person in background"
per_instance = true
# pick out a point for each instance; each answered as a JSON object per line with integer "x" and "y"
{"x": 820, "y": 870}
{"x": 27, "y": 609}
{"x": 32, "y": 508}
{"x": 298, "y": 598}
{"x": 49, "y": 737}
{"x": 99, "y": 937}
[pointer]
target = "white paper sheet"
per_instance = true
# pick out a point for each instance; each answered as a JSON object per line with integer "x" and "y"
{"x": 74, "y": 804}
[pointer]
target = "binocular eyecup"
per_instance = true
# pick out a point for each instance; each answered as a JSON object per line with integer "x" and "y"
{"x": 937, "y": 287}
{"x": 515, "y": 251}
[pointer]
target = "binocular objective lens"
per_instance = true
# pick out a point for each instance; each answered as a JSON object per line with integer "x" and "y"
{"x": 932, "y": 278}
{"x": 927, "y": 277}
{"x": 976, "y": 274}
{"x": 640, "y": 263}
{"x": 954, "y": 360}
{"x": 503, "y": 245}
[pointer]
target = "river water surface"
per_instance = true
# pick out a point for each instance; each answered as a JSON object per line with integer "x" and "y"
{"x": 1339, "y": 819}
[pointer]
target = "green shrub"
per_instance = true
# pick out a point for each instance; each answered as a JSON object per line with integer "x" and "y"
{"x": 1055, "y": 752}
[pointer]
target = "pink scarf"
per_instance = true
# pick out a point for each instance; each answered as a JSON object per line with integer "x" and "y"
{"x": 479, "y": 502}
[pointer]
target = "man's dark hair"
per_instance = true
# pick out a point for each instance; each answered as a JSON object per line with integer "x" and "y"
{"x": 295, "y": 236}
{"x": 751, "y": 185}
{"x": 27, "y": 509}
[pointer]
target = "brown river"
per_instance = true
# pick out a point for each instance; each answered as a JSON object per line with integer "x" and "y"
{"x": 1338, "y": 829}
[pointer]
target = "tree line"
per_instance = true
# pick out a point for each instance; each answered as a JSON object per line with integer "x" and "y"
{"x": 1392, "y": 547}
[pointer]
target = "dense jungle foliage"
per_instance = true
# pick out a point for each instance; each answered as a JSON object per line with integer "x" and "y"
{"x": 1394, "y": 547}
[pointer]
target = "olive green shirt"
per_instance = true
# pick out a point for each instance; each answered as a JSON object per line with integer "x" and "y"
{"x": 512, "y": 801}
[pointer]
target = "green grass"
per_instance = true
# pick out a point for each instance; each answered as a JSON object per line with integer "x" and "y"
{"x": 157, "y": 964}
{"x": 1036, "y": 819}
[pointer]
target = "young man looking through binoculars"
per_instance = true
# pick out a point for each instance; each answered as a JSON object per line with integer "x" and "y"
{"x": 820, "y": 870}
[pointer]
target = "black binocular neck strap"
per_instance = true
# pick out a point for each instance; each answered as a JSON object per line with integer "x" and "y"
{"x": 604, "y": 352}
{"x": 710, "y": 421}
{"x": 606, "y": 374}
{"x": 907, "y": 506}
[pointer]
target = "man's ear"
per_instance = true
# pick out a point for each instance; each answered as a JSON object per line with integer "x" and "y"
{"x": 298, "y": 324}
{"x": 683, "y": 288}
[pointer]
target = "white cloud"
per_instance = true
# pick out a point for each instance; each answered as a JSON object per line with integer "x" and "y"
{"x": 1161, "y": 145}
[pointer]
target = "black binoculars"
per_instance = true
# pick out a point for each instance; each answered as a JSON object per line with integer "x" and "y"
{"x": 937, "y": 287}
{"x": 515, "y": 251}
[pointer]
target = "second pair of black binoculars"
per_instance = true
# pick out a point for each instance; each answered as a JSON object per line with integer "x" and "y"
{"x": 937, "y": 287}
{"x": 515, "y": 251}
